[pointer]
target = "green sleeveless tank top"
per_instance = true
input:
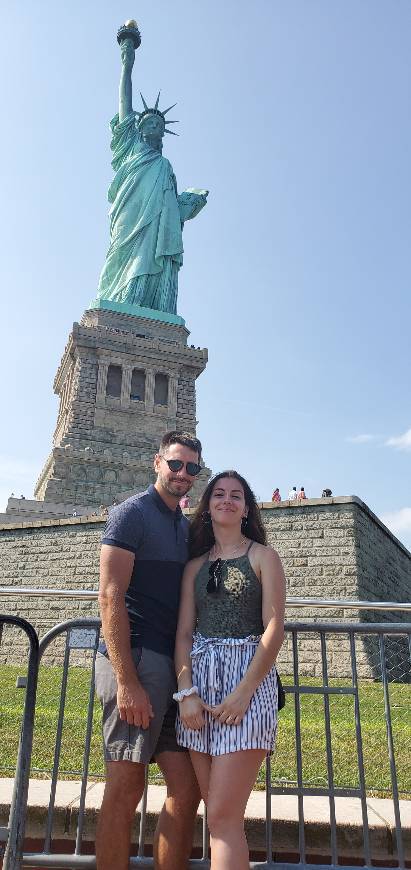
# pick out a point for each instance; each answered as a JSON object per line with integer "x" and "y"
{"x": 234, "y": 610}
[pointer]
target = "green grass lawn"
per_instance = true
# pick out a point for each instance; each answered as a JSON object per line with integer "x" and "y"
{"x": 284, "y": 767}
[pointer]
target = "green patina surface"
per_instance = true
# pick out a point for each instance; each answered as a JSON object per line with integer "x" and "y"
{"x": 147, "y": 214}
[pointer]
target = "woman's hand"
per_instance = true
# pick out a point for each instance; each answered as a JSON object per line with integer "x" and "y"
{"x": 192, "y": 712}
{"x": 233, "y": 709}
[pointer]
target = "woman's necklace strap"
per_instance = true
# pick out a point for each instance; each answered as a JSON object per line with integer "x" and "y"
{"x": 234, "y": 550}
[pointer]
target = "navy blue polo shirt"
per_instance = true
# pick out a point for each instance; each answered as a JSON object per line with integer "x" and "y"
{"x": 158, "y": 537}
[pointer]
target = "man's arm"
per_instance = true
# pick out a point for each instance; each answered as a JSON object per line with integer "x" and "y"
{"x": 116, "y": 566}
{"x": 125, "y": 91}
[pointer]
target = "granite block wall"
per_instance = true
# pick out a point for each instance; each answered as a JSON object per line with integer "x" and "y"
{"x": 331, "y": 549}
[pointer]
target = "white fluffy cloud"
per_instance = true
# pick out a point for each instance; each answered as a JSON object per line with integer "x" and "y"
{"x": 401, "y": 442}
{"x": 360, "y": 439}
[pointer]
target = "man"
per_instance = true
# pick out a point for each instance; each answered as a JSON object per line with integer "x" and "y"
{"x": 292, "y": 495}
{"x": 142, "y": 560}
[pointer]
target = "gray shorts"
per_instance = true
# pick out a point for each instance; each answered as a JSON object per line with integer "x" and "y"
{"x": 124, "y": 742}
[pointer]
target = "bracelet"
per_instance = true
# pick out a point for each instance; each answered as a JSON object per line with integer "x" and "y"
{"x": 184, "y": 693}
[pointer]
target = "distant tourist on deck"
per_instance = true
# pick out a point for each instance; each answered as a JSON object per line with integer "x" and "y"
{"x": 184, "y": 502}
{"x": 301, "y": 494}
{"x": 292, "y": 495}
{"x": 276, "y": 495}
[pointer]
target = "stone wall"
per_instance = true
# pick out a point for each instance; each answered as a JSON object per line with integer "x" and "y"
{"x": 186, "y": 399}
{"x": 331, "y": 549}
{"x": 50, "y": 554}
{"x": 338, "y": 549}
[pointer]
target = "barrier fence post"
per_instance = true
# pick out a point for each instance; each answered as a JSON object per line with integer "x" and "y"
{"x": 18, "y": 807}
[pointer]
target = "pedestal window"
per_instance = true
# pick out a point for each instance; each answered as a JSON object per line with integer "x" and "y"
{"x": 113, "y": 388}
{"x": 161, "y": 389}
{"x": 138, "y": 386}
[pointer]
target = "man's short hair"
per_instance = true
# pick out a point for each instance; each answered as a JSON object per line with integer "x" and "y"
{"x": 186, "y": 439}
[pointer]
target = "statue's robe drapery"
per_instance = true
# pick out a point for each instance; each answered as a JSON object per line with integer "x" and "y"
{"x": 146, "y": 220}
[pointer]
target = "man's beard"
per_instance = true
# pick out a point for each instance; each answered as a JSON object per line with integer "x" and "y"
{"x": 169, "y": 487}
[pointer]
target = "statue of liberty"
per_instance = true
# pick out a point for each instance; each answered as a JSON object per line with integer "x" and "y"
{"x": 147, "y": 214}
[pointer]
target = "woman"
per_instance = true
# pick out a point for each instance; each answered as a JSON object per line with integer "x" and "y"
{"x": 232, "y": 600}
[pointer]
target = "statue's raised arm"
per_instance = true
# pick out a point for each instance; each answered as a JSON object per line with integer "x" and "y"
{"x": 125, "y": 102}
{"x": 129, "y": 39}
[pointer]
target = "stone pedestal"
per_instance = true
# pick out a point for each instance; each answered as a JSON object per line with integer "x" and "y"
{"x": 123, "y": 382}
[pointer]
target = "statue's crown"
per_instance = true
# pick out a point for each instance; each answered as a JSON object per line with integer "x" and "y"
{"x": 156, "y": 111}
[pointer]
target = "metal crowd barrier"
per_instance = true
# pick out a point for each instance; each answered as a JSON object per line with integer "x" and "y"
{"x": 381, "y": 633}
{"x": 82, "y": 635}
{"x": 13, "y": 835}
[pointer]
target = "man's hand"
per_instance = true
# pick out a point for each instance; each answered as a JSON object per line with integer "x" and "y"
{"x": 127, "y": 52}
{"x": 232, "y": 710}
{"x": 192, "y": 712}
{"x": 134, "y": 705}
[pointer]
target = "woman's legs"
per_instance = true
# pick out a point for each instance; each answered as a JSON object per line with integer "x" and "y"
{"x": 230, "y": 782}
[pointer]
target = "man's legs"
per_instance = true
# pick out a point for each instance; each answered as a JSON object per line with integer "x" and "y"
{"x": 174, "y": 833}
{"x": 123, "y": 791}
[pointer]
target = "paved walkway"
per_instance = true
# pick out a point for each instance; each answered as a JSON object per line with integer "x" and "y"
{"x": 284, "y": 812}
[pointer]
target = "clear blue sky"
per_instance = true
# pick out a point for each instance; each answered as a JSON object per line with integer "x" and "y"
{"x": 297, "y": 117}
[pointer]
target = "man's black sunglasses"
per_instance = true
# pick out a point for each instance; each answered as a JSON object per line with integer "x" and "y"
{"x": 192, "y": 468}
{"x": 215, "y": 576}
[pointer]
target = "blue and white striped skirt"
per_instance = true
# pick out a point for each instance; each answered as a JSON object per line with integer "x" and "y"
{"x": 218, "y": 665}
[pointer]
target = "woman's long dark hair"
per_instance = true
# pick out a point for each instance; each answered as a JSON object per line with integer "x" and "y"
{"x": 201, "y": 535}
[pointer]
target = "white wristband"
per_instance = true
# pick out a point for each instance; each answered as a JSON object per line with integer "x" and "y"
{"x": 184, "y": 693}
